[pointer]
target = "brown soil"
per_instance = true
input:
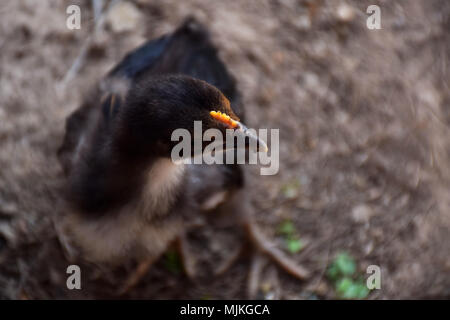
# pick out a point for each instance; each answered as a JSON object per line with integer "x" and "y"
{"x": 364, "y": 150}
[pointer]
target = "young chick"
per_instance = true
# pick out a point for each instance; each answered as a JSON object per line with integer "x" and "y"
{"x": 126, "y": 198}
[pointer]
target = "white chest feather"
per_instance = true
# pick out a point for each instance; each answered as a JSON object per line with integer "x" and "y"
{"x": 159, "y": 190}
{"x": 118, "y": 234}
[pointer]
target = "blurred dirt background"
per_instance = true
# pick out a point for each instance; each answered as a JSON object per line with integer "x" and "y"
{"x": 364, "y": 121}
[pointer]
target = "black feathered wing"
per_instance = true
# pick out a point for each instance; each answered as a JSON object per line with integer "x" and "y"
{"x": 188, "y": 51}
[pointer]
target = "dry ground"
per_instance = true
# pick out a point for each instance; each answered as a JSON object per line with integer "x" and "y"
{"x": 364, "y": 151}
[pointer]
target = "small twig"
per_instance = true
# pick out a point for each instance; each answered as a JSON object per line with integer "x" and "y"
{"x": 274, "y": 253}
{"x": 234, "y": 256}
{"x": 323, "y": 270}
{"x": 258, "y": 262}
{"x": 136, "y": 276}
{"x": 79, "y": 61}
{"x": 186, "y": 257}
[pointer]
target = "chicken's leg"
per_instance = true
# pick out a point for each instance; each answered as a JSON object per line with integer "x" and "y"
{"x": 136, "y": 276}
{"x": 258, "y": 242}
{"x": 144, "y": 266}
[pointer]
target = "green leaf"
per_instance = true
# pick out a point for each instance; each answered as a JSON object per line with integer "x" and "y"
{"x": 333, "y": 272}
{"x": 342, "y": 265}
{"x": 345, "y": 264}
{"x": 351, "y": 292}
{"x": 343, "y": 285}
{"x": 287, "y": 228}
{"x": 363, "y": 291}
{"x": 350, "y": 289}
{"x": 294, "y": 245}
{"x": 342, "y": 272}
